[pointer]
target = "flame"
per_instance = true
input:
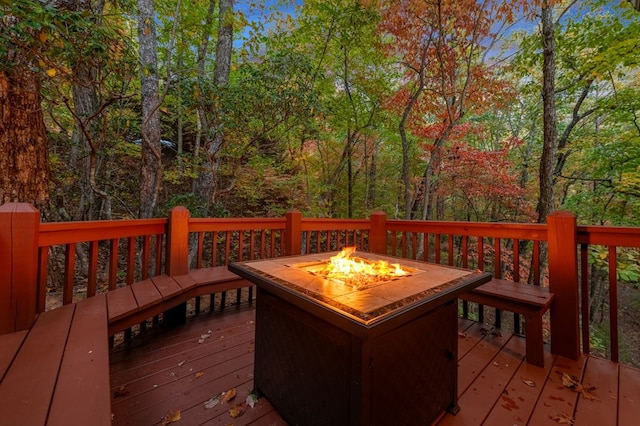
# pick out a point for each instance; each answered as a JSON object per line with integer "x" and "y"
{"x": 342, "y": 267}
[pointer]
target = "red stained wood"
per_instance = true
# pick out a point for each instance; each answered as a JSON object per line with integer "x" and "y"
{"x": 9, "y": 345}
{"x": 18, "y": 266}
{"x": 185, "y": 282}
{"x": 498, "y": 384}
{"x": 602, "y": 376}
{"x": 82, "y": 391}
{"x": 166, "y": 286}
{"x": 215, "y": 275}
{"x": 478, "y": 400}
{"x": 146, "y": 293}
{"x": 7, "y": 323}
{"x": 466, "y": 341}
{"x": 515, "y": 404}
{"x": 532, "y": 301}
{"x": 121, "y": 303}
{"x": 27, "y": 388}
{"x": 563, "y": 282}
{"x": 177, "y": 262}
{"x": 520, "y": 293}
{"x": 629, "y": 397}
{"x": 164, "y": 378}
{"x": 482, "y": 354}
{"x": 556, "y": 399}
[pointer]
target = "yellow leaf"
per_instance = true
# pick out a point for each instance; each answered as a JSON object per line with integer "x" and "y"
{"x": 199, "y": 374}
{"x": 229, "y": 395}
{"x": 42, "y": 36}
{"x": 171, "y": 417}
{"x": 563, "y": 419}
{"x": 236, "y": 411}
{"x": 51, "y": 72}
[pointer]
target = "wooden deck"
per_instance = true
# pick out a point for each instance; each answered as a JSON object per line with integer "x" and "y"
{"x": 178, "y": 370}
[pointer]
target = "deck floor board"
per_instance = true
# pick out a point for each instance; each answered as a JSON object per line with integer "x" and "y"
{"x": 495, "y": 385}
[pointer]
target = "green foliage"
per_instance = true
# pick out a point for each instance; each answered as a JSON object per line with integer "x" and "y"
{"x": 627, "y": 268}
{"x": 188, "y": 200}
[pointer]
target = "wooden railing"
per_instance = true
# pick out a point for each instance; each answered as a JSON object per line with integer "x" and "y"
{"x": 85, "y": 258}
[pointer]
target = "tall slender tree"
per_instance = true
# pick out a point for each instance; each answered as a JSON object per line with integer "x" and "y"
{"x": 211, "y": 114}
{"x": 550, "y": 129}
{"x": 151, "y": 166}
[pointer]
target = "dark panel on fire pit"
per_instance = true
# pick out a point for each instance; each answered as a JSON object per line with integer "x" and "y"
{"x": 414, "y": 370}
{"x": 302, "y": 364}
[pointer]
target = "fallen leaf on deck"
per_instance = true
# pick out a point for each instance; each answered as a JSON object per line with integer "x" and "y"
{"x": 586, "y": 394}
{"x": 252, "y": 400}
{"x": 212, "y": 402}
{"x": 181, "y": 363}
{"x": 171, "y": 417}
{"x": 229, "y": 395}
{"x": 462, "y": 334}
{"x": 568, "y": 381}
{"x": 236, "y": 411}
{"x": 199, "y": 374}
{"x": 204, "y": 336}
{"x": 529, "y": 382}
{"x": 563, "y": 419}
{"x": 573, "y": 384}
{"x": 122, "y": 391}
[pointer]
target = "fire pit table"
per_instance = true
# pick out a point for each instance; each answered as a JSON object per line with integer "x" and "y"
{"x": 382, "y": 352}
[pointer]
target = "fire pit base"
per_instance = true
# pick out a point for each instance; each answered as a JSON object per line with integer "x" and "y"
{"x": 316, "y": 372}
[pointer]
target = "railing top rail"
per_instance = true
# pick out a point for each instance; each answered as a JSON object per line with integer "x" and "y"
{"x": 317, "y": 224}
{"x": 97, "y": 230}
{"x": 524, "y": 231}
{"x": 239, "y": 224}
{"x": 619, "y": 236}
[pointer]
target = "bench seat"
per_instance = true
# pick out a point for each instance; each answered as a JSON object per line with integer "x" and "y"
{"x": 132, "y": 304}
{"x": 57, "y": 371}
{"x": 530, "y": 301}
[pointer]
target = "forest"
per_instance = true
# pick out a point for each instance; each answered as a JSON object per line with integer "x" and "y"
{"x": 466, "y": 110}
{"x": 492, "y": 111}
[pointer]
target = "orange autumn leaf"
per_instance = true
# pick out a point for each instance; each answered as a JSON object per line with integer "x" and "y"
{"x": 229, "y": 395}
{"x": 563, "y": 419}
{"x": 236, "y": 411}
{"x": 171, "y": 417}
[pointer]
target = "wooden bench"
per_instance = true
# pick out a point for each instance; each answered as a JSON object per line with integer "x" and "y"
{"x": 57, "y": 372}
{"x": 135, "y": 303}
{"x": 530, "y": 301}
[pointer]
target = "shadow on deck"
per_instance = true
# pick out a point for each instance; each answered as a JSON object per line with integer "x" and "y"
{"x": 166, "y": 372}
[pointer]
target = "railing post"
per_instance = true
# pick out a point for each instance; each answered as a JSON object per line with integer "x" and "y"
{"x": 378, "y": 233}
{"x": 19, "y": 231}
{"x": 563, "y": 282}
{"x": 293, "y": 233}
{"x": 177, "y": 262}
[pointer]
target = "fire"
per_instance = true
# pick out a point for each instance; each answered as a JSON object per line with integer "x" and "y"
{"x": 359, "y": 272}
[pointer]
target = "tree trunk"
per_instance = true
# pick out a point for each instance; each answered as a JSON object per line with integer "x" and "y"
{"x": 86, "y": 136}
{"x": 207, "y": 182}
{"x": 550, "y": 143}
{"x": 151, "y": 167}
{"x": 24, "y": 162}
{"x": 406, "y": 173}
